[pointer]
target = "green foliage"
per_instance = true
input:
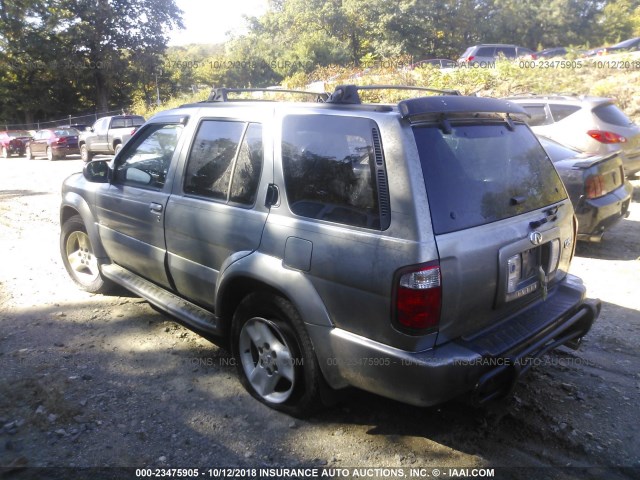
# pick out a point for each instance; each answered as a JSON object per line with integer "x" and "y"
{"x": 62, "y": 56}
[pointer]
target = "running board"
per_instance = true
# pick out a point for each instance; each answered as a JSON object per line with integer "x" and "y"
{"x": 194, "y": 316}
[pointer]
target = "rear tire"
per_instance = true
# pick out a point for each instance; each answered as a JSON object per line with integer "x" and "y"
{"x": 4, "y": 153}
{"x": 274, "y": 356}
{"x": 51, "y": 156}
{"x": 117, "y": 148}
{"x": 27, "y": 153}
{"x": 78, "y": 257}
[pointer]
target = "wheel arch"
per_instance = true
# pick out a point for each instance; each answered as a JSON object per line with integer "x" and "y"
{"x": 259, "y": 272}
{"x": 74, "y": 204}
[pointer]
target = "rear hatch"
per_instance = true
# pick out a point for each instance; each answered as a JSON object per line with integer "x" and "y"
{"x": 502, "y": 221}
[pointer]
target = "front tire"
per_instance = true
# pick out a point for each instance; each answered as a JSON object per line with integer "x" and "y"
{"x": 274, "y": 355}
{"x": 85, "y": 154}
{"x": 78, "y": 257}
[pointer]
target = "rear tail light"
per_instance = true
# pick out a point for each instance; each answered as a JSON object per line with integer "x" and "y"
{"x": 470, "y": 58}
{"x": 594, "y": 186}
{"x": 133, "y": 130}
{"x": 419, "y": 298}
{"x": 60, "y": 140}
{"x": 606, "y": 137}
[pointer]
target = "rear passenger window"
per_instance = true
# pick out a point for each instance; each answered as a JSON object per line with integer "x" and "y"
{"x": 330, "y": 168}
{"x": 538, "y": 115}
{"x": 225, "y": 161}
{"x": 485, "y": 52}
{"x": 559, "y": 112}
{"x": 508, "y": 52}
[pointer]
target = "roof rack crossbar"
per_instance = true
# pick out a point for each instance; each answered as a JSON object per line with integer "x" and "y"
{"x": 222, "y": 94}
{"x": 348, "y": 94}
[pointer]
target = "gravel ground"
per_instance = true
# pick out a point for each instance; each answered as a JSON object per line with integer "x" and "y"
{"x": 107, "y": 381}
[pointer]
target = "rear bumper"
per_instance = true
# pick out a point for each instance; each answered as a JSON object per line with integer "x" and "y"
{"x": 488, "y": 364}
{"x": 66, "y": 149}
{"x": 597, "y": 215}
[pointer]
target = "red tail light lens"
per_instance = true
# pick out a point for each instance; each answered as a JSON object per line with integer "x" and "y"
{"x": 419, "y": 298}
{"x": 594, "y": 186}
{"x": 606, "y": 137}
{"x": 470, "y": 58}
{"x": 133, "y": 130}
{"x": 60, "y": 140}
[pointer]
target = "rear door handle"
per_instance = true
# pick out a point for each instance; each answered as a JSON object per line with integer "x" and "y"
{"x": 155, "y": 207}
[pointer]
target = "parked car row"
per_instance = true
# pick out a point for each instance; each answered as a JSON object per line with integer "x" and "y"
{"x": 106, "y": 136}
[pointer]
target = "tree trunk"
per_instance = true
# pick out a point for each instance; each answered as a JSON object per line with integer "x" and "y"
{"x": 102, "y": 92}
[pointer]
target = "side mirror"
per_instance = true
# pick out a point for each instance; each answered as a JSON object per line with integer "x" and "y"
{"x": 97, "y": 171}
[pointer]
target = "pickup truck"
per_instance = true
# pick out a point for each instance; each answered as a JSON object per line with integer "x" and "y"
{"x": 108, "y": 135}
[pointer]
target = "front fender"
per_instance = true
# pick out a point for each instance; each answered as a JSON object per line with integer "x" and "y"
{"x": 72, "y": 204}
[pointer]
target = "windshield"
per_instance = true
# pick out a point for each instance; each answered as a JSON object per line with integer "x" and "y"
{"x": 66, "y": 132}
{"x": 482, "y": 173}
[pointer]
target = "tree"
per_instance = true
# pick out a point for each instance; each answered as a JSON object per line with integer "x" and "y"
{"x": 99, "y": 32}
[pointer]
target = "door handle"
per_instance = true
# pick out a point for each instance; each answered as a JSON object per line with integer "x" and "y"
{"x": 155, "y": 207}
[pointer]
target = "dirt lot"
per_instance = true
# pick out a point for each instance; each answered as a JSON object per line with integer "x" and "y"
{"x": 104, "y": 381}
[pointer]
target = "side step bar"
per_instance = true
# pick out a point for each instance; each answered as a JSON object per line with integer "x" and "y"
{"x": 194, "y": 316}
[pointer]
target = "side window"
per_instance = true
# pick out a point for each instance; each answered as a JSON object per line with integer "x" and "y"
{"x": 211, "y": 160}
{"x": 560, "y": 112}
{"x": 538, "y": 115}
{"x": 508, "y": 52}
{"x": 246, "y": 175}
{"x": 147, "y": 161}
{"x": 485, "y": 52}
{"x": 100, "y": 125}
{"x": 225, "y": 162}
{"x": 329, "y": 167}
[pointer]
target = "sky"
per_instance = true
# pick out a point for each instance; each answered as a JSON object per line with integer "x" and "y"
{"x": 208, "y": 21}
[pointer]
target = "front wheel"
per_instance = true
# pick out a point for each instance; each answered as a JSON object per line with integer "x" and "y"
{"x": 274, "y": 355}
{"x": 79, "y": 259}
{"x": 85, "y": 154}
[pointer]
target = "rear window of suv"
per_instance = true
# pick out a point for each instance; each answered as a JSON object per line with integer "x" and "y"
{"x": 482, "y": 173}
{"x": 609, "y": 113}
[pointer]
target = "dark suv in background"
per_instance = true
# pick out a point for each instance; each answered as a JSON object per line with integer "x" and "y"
{"x": 417, "y": 250}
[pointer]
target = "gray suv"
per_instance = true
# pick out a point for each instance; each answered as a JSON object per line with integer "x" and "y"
{"x": 418, "y": 250}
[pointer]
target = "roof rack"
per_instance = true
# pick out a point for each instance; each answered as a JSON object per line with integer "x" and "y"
{"x": 222, "y": 94}
{"x": 348, "y": 94}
